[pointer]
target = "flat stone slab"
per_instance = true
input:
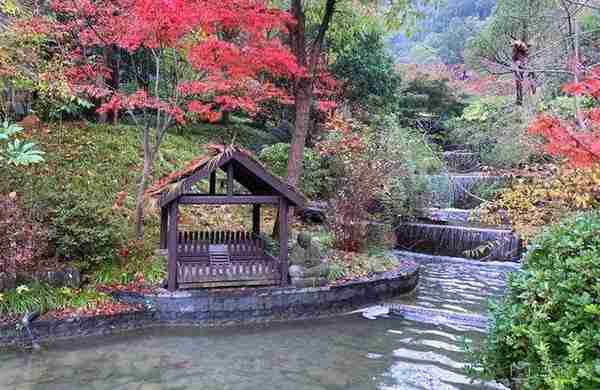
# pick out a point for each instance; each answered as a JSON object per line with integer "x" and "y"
{"x": 439, "y": 317}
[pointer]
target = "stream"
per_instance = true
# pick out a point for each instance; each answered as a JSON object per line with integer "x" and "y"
{"x": 344, "y": 352}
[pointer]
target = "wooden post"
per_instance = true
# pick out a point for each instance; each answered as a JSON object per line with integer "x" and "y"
{"x": 256, "y": 219}
{"x": 164, "y": 227}
{"x": 283, "y": 240}
{"x": 213, "y": 183}
{"x": 172, "y": 245}
{"x": 230, "y": 179}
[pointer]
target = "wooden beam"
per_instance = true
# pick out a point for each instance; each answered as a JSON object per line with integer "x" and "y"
{"x": 230, "y": 179}
{"x": 185, "y": 185}
{"x": 164, "y": 226}
{"x": 234, "y": 199}
{"x": 172, "y": 246}
{"x": 283, "y": 240}
{"x": 256, "y": 219}
{"x": 213, "y": 183}
{"x": 276, "y": 183}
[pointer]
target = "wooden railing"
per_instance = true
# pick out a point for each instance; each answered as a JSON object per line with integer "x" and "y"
{"x": 239, "y": 245}
{"x": 224, "y": 258}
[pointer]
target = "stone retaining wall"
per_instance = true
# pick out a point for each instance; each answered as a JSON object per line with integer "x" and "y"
{"x": 55, "y": 329}
{"x": 223, "y": 307}
{"x": 227, "y": 307}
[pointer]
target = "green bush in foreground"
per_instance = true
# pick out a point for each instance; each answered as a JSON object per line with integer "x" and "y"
{"x": 546, "y": 333}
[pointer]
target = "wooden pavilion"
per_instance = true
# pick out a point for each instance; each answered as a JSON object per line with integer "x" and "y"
{"x": 203, "y": 259}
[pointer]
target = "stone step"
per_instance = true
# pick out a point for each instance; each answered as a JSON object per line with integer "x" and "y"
{"x": 460, "y": 217}
{"x": 458, "y": 191}
{"x": 461, "y": 161}
{"x": 459, "y": 241}
{"x": 450, "y": 215}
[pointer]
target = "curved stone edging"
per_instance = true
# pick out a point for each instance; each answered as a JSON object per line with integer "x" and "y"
{"x": 241, "y": 306}
{"x": 224, "y": 307}
{"x": 57, "y": 329}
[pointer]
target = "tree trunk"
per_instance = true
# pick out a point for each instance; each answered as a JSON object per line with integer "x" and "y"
{"x": 296, "y": 157}
{"x": 142, "y": 186}
{"x": 303, "y": 89}
{"x": 519, "y": 88}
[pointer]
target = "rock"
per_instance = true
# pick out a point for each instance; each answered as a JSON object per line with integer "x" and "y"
{"x": 30, "y": 122}
{"x": 283, "y": 132}
{"x": 309, "y": 282}
{"x": 313, "y": 215}
{"x": 306, "y": 259}
{"x": 304, "y": 240}
{"x": 371, "y": 313}
{"x": 7, "y": 281}
{"x": 68, "y": 277}
{"x": 296, "y": 271}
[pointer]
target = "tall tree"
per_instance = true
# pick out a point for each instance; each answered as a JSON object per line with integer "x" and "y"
{"x": 206, "y": 58}
{"x": 526, "y": 39}
{"x": 308, "y": 53}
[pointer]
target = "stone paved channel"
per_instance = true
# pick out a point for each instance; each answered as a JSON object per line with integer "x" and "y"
{"x": 449, "y": 306}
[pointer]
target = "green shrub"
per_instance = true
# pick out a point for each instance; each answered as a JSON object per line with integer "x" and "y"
{"x": 545, "y": 334}
{"x": 81, "y": 230}
{"x": 417, "y": 159}
{"x": 496, "y": 129}
{"x": 314, "y": 179}
{"x": 367, "y": 70}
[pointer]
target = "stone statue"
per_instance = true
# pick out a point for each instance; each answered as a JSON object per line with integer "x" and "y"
{"x": 307, "y": 268}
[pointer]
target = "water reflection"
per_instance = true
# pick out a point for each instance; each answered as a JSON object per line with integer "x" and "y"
{"x": 346, "y": 352}
{"x": 342, "y": 353}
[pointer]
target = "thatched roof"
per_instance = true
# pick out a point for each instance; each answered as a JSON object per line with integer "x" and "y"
{"x": 247, "y": 171}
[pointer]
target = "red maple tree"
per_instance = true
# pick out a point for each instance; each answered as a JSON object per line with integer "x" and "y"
{"x": 203, "y": 58}
{"x": 578, "y": 142}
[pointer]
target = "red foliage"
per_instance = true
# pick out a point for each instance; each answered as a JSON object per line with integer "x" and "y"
{"x": 578, "y": 142}
{"x": 100, "y": 309}
{"x": 232, "y": 45}
{"x": 24, "y": 241}
{"x": 360, "y": 177}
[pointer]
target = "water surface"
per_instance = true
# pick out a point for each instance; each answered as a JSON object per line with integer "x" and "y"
{"x": 345, "y": 352}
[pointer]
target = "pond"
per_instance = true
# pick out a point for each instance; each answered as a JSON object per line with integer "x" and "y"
{"x": 345, "y": 352}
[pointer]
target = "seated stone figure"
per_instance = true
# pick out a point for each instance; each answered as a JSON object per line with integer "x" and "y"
{"x": 307, "y": 268}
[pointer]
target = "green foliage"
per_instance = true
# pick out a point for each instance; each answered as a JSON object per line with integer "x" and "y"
{"x": 87, "y": 167}
{"x": 79, "y": 229}
{"x": 17, "y": 152}
{"x": 423, "y": 98}
{"x": 545, "y": 334}
{"x": 564, "y": 106}
{"x": 337, "y": 270}
{"x": 496, "y": 129}
{"x": 367, "y": 71}
{"x": 417, "y": 159}
{"x": 152, "y": 269}
{"x": 43, "y": 297}
{"x": 314, "y": 179}
{"x": 443, "y": 32}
